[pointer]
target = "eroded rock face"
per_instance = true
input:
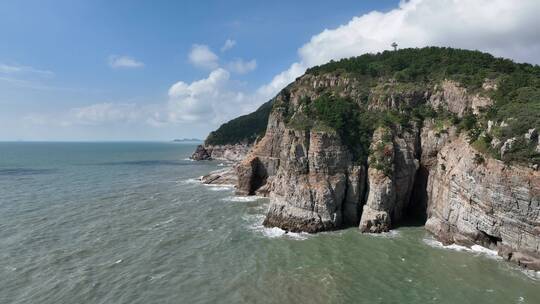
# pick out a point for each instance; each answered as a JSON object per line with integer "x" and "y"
{"x": 315, "y": 184}
{"x": 389, "y": 188}
{"x": 232, "y": 153}
{"x": 451, "y": 96}
{"x": 490, "y": 204}
{"x": 226, "y": 177}
{"x": 201, "y": 153}
{"x": 309, "y": 191}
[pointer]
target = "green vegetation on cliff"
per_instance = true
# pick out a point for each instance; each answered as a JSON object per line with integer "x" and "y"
{"x": 516, "y": 96}
{"x": 244, "y": 129}
{"x": 393, "y": 91}
{"x": 433, "y": 64}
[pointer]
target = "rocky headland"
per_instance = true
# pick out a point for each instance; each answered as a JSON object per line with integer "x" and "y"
{"x": 443, "y": 136}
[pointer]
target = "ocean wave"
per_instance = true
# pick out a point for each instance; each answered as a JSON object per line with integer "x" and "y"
{"x": 389, "y": 234}
{"x": 220, "y": 187}
{"x": 275, "y": 232}
{"x": 190, "y": 181}
{"x": 242, "y": 199}
{"x": 25, "y": 171}
{"x": 474, "y": 249}
{"x": 151, "y": 162}
{"x": 532, "y": 274}
{"x": 255, "y": 224}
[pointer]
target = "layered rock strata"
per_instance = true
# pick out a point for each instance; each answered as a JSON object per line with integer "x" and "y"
{"x": 232, "y": 153}
{"x": 314, "y": 182}
{"x": 487, "y": 203}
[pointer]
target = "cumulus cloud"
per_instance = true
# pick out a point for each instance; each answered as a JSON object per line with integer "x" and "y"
{"x": 202, "y": 56}
{"x": 241, "y": 66}
{"x": 211, "y": 99}
{"x": 501, "y": 27}
{"x": 229, "y": 44}
{"x": 117, "y": 62}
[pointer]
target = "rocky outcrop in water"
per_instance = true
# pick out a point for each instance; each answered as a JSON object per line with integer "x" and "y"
{"x": 226, "y": 177}
{"x": 201, "y": 153}
{"x": 390, "y": 188}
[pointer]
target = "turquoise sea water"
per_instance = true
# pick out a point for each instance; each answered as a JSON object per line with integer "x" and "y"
{"x": 128, "y": 223}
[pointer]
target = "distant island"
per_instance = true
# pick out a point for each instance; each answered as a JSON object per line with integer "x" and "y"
{"x": 183, "y": 140}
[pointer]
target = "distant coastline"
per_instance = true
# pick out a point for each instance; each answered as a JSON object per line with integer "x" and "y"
{"x": 187, "y": 140}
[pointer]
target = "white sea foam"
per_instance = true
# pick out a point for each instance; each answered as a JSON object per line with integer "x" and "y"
{"x": 475, "y": 248}
{"x": 484, "y": 250}
{"x": 276, "y": 232}
{"x": 190, "y": 181}
{"x": 255, "y": 224}
{"x": 535, "y": 275}
{"x": 389, "y": 234}
{"x": 118, "y": 261}
{"x": 242, "y": 199}
{"x": 220, "y": 187}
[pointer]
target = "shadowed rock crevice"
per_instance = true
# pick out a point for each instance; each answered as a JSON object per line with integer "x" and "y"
{"x": 252, "y": 176}
{"x": 416, "y": 212}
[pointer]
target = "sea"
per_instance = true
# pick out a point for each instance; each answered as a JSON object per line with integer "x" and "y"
{"x": 129, "y": 222}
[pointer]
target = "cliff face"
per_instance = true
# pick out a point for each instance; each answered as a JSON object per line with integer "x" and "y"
{"x": 485, "y": 203}
{"x": 389, "y": 192}
{"x": 375, "y": 140}
{"x": 315, "y": 184}
{"x": 232, "y": 153}
{"x": 310, "y": 176}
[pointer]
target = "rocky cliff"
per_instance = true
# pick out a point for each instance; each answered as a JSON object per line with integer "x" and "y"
{"x": 486, "y": 203}
{"x": 228, "y": 152}
{"x": 373, "y": 141}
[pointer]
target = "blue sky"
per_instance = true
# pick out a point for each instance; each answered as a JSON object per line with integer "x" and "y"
{"x": 157, "y": 70}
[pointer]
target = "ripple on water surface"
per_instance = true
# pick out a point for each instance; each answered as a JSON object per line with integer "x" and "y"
{"x": 140, "y": 231}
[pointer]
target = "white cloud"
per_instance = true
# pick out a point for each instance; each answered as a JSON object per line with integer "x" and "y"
{"x": 501, "y": 27}
{"x": 20, "y": 69}
{"x": 212, "y": 99}
{"x": 242, "y": 67}
{"x": 202, "y": 56}
{"x": 281, "y": 80}
{"x": 101, "y": 113}
{"x": 117, "y": 62}
{"x": 229, "y": 44}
